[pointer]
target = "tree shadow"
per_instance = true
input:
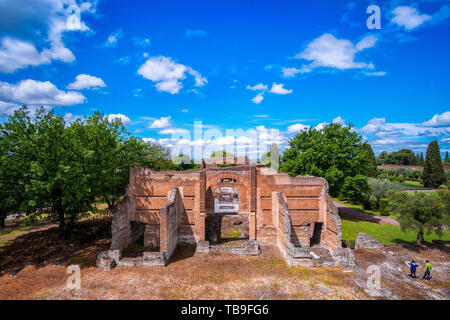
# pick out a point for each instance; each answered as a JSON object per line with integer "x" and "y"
{"x": 47, "y": 247}
{"x": 357, "y": 216}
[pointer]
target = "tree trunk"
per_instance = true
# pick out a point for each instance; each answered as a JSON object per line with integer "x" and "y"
{"x": 420, "y": 237}
{"x": 110, "y": 203}
{"x": 2, "y": 221}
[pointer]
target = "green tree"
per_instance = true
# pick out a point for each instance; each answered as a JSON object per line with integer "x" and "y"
{"x": 422, "y": 159}
{"x": 383, "y": 158}
{"x": 221, "y": 153}
{"x": 56, "y": 181}
{"x": 433, "y": 171}
{"x": 372, "y": 162}
{"x": 107, "y": 152}
{"x": 355, "y": 189}
{"x": 447, "y": 158}
{"x": 335, "y": 152}
{"x": 157, "y": 158}
{"x": 420, "y": 211}
{"x": 379, "y": 189}
{"x": 50, "y": 166}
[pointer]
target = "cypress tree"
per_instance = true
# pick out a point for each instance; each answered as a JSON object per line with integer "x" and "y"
{"x": 433, "y": 170}
{"x": 419, "y": 159}
{"x": 447, "y": 159}
{"x": 371, "y": 170}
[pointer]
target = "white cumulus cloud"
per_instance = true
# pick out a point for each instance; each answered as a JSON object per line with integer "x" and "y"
{"x": 34, "y": 92}
{"x": 258, "y": 87}
{"x": 27, "y": 25}
{"x": 85, "y": 81}
{"x": 168, "y": 75}
{"x": 162, "y": 122}
{"x": 327, "y": 51}
{"x": 297, "y": 127}
{"x": 278, "y": 88}
{"x": 408, "y": 17}
{"x": 258, "y": 98}
{"x": 439, "y": 120}
{"x": 113, "y": 116}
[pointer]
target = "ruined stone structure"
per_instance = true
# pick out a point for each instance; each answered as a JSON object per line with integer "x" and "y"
{"x": 259, "y": 204}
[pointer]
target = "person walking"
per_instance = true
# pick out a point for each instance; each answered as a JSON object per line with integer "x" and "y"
{"x": 427, "y": 274}
{"x": 413, "y": 267}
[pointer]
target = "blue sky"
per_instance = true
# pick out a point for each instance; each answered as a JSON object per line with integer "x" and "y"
{"x": 268, "y": 68}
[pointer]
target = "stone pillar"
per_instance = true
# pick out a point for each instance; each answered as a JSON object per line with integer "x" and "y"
{"x": 252, "y": 226}
{"x": 200, "y": 223}
{"x": 252, "y": 216}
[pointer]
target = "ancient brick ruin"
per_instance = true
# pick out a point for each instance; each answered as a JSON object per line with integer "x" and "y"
{"x": 256, "y": 204}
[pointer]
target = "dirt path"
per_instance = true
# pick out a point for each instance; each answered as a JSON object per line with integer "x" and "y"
{"x": 365, "y": 216}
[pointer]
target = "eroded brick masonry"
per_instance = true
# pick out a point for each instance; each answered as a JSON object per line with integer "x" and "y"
{"x": 169, "y": 208}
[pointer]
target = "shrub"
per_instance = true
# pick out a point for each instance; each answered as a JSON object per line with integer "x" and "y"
{"x": 29, "y": 221}
{"x": 384, "y": 203}
{"x": 379, "y": 188}
{"x": 355, "y": 189}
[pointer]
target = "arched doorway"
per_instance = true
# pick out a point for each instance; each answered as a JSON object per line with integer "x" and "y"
{"x": 225, "y": 223}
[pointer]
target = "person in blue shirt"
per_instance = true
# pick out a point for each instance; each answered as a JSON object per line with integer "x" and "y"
{"x": 413, "y": 267}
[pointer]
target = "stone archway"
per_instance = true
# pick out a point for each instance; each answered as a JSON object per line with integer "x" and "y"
{"x": 227, "y": 200}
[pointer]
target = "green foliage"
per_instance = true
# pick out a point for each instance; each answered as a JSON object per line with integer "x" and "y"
{"x": 384, "y": 203}
{"x": 29, "y": 221}
{"x": 433, "y": 171}
{"x": 184, "y": 163}
{"x": 221, "y": 153}
{"x": 372, "y": 162}
{"x": 420, "y": 211}
{"x": 421, "y": 160}
{"x": 407, "y": 173}
{"x": 335, "y": 152}
{"x": 447, "y": 158}
{"x": 379, "y": 189}
{"x": 355, "y": 189}
{"x": 49, "y": 166}
{"x": 158, "y": 158}
{"x": 266, "y": 159}
{"x": 401, "y": 157}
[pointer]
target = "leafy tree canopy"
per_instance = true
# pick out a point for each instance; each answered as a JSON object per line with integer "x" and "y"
{"x": 421, "y": 211}
{"x": 335, "y": 152}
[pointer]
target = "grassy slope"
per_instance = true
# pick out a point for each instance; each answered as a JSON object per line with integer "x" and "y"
{"x": 386, "y": 234}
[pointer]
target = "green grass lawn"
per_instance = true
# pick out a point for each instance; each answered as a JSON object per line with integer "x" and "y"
{"x": 386, "y": 234}
{"x": 13, "y": 232}
{"x": 418, "y": 185}
{"x": 359, "y": 207}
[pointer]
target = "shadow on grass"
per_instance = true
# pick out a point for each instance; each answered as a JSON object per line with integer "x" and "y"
{"x": 357, "y": 216}
{"x": 46, "y": 247}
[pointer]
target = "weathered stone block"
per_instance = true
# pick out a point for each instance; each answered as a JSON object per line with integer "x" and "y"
{"x": 364, "y": 241}
{"x": 202, "y": 247}
{"x": 108, "y": 260}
